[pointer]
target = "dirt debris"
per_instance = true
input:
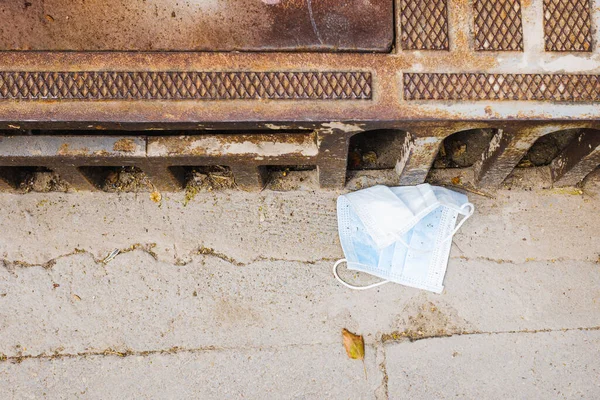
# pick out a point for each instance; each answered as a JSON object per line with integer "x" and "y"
{"x": 211, "y": 178}
{"x": 125, "y": 179}
{"x": 547, "y": 148}
{"x": 124, "y": 145}
{"x": 288, "y": 180}
{"x": 376, "y": 149}
{"x": 463, "y": 149}
{"x": 42, "y": 181}
{"x": 428, "y": 320}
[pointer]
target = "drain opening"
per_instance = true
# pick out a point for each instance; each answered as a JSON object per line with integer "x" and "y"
{"x": 209, "y": 177}
{"x": 380, "y": 149}
{"x": 546, "y": 148}
{"x": 117, "y": 179}
{"x": 33, "y": 179}
{"x": 291, "y": 177}
{"x": 286, "y": 169}
{"x": 463, "y": 149}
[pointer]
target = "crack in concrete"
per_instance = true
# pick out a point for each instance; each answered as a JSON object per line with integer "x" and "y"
{"x": 210, "y": 252}
{"x": 411, "y": 336}
{"x": 526, "y": 261}
{"x": 382, "y": 391}
{"x": 111, "y": 352}
{"x": 11, "y": 265}
{"x": 385, "y": 338}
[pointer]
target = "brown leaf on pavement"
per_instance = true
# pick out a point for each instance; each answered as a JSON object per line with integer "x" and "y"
{"x": 354, "y": 345}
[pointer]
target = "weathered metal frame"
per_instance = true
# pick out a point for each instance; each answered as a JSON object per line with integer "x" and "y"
{"x": 429, "y": 119}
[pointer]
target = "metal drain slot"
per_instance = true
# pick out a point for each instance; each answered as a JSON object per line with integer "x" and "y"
{"x": 250, "y": 160}
{"x": 471, "y": 85}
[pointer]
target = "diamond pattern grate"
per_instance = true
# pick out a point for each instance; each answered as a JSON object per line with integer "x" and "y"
{"x": 567, "y": 25}
{"x": 185, "y": 85}
{"x": 472, "y": 87}
{"x": 498, "y": 25}
{"x": 424, "y": 25}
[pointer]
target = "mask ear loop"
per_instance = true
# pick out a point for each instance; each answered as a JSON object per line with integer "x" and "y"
{"x": 467, "y": 215}
{"x": 349, "y": 286}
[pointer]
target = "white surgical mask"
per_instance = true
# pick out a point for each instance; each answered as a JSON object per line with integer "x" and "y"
{"x": 400, "y": 234}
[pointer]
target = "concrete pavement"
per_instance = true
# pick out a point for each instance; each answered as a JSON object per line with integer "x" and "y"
{"x": 230, "y": 295}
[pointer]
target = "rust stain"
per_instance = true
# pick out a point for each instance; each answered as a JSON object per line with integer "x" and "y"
{"x": 65, "y": 150}
{"x": 183, "y": 145}
{"x": 125, "y": 145}
{"x": 224, "y": 25}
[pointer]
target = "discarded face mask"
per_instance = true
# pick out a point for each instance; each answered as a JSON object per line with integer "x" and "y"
{"x": 400, "y": 234}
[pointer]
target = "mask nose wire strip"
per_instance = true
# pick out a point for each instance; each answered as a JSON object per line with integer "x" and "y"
{"x": 349, "y": 286}
{"x": 471, "y": 209}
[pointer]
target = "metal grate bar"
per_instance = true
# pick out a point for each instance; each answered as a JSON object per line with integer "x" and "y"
{"x": 424, "y": 25}
{"x": 567, "y": 25}
{"x": 240, "y": 85}
{"x": 498, "y": 25}
{"x": 482, "y": 86}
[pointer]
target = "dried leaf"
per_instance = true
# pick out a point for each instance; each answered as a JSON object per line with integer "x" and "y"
{"x": 354, "y": 345}
{"x": 456, "y": 180}
{"x": 155, "y": 196}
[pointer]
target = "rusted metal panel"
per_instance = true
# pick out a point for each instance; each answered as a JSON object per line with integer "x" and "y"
{"x": 580, "y": 158}
{"x": 424, "y": 25}
{"x": 263, "y": 148}
{"x": 335, "y": 94}
{"x": 246, "y": 155}
{"x": 498, "y": 25}
{"x": 169, "y": 85}
{"x": 208, "y": 25}
{"x": 567, "y": 25}
{"x": 68, "y": 147}
{"x": 126, "y": 105}
{"x": 474, "y": 87}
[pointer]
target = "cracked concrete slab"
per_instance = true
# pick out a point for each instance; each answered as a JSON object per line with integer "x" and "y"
{"x": 515, "y": 226}
{"x": 312, "y": 371}
{"x": 544, "y": 365}
{"x": 136, "y": 303}
{"x": 241, "y": 283}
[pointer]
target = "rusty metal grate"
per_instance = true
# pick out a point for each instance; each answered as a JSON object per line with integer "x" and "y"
{"x": 567, "y": 25}
{"x": 498, "y": 25}
{"x": 424, "y": 25}
{"x": 544, "y": 87}
{"x": 118, "y": 85}
{"x": 161, "y": 162}
{"x": 205, "y": 94}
